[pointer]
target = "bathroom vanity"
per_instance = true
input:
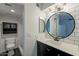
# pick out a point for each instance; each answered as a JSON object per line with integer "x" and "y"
{"x": 46, "y": 50}
{"x": 50, "y": 47}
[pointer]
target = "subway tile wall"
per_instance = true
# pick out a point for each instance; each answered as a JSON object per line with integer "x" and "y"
{"x": 74, "y": 37}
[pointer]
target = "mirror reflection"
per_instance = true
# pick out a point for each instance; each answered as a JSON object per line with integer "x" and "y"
{"x": 60, "y": 25}
{"x": 41, "y": 26}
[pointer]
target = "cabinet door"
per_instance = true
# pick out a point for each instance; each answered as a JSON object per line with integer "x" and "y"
{"x": 49, "y": 51}
{"x": 40, "y": 49}
{"x": 45, "y": 50}
{"x": 61, "y": 53}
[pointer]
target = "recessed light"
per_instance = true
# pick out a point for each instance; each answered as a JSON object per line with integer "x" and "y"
{"x": 12, "y": 10}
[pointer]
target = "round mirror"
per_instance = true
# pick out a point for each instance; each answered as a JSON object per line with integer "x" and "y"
{"x": 60, "y": 25}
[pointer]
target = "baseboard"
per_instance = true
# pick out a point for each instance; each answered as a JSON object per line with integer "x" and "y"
{"x": 21, "y": 50}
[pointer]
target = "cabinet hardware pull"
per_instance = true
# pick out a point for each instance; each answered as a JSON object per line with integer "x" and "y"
{"x": 48, "y": 49}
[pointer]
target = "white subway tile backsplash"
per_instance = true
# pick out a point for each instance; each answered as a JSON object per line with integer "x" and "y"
{"x": 76, "y": 17}
{"x": 76, "y": 21}
{"x": 77, "y": 27}
{"x": 77, "y": 42}
{"x": 61, "y": 40}
{"x": 72, "y": 35}
{"x": 72, "y": 38}
{"x": 76, "y": 38}
{"x": 76, "y": 13}
{"x": 69, "y": 41}
{"x": 77, "y": 30}
{"x": 76, "y": 34}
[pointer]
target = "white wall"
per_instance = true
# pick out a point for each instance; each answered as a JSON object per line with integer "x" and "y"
{"x": 3, "y": 37}
{"x": 31, "y": 29}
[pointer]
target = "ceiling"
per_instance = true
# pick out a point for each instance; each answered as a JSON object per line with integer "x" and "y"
{"x": 5, "y": 9}
{"x": 43, "y": 6}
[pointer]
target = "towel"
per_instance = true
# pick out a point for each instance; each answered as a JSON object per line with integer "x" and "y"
{"x": 10, "y": 43}
{"x": 9, "y": 46}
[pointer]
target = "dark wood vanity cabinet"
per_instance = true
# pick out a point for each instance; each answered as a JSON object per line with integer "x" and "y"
{"x": 45, "y": 50}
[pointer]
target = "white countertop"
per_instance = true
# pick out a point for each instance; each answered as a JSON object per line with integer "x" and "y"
{"x": 69, "y": 48}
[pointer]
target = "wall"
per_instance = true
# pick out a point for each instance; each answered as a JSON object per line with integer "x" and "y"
{"x": 3, "y": 37}
{"x": 31, "y": 29}
{"x": 21, "y": 35}
{"x": 74, "y": 37}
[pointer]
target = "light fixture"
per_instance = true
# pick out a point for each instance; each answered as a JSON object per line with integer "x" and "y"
{"x": 12, "y": 10}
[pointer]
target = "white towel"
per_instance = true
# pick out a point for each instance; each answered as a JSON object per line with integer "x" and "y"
{"x": 9, "y": 46}
{"x": 10, "y": 43}
{"x": 10, "y": 40}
